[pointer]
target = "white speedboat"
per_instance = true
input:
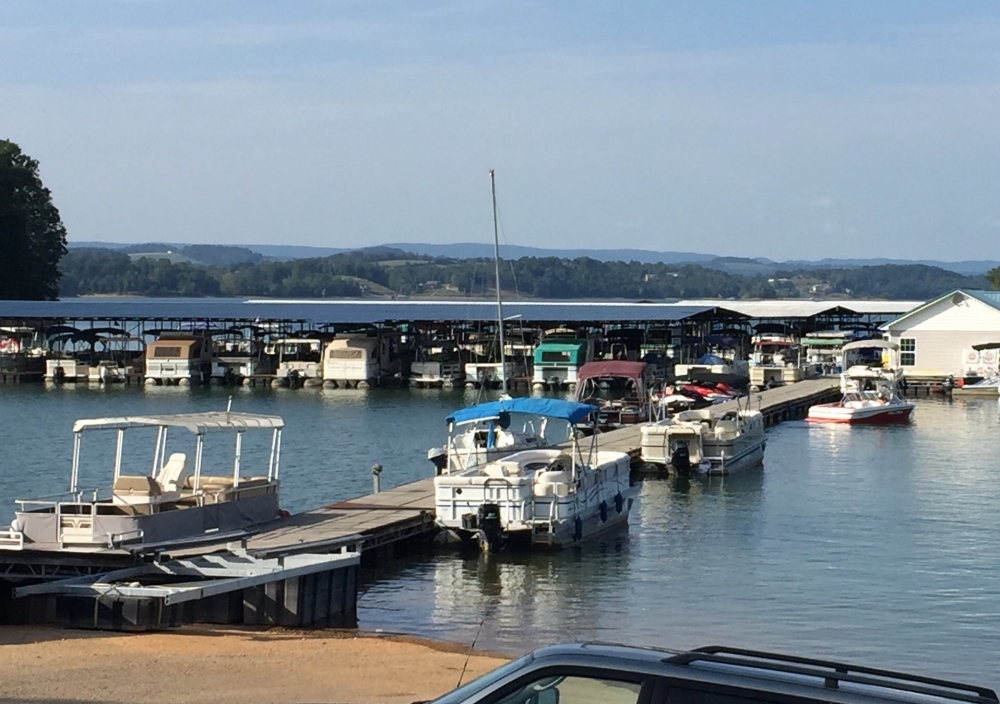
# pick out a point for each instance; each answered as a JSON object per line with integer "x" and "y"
{"x": 704, "y": 442}
{"x": 870, "y": 394}
{"x": 173, "y": 500}
{"x": 542, "y": 497}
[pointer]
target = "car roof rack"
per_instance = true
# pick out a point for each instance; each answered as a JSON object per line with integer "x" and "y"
{"x": 833, "y": 673}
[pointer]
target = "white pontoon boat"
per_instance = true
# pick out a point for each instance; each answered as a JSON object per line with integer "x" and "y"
{"x": 176, "y": 499}
{"x": 703, "y": 442}
{"x": 542, "y": 497}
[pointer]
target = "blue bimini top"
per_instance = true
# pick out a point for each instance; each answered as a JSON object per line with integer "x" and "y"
{"x": 551, "y": 407}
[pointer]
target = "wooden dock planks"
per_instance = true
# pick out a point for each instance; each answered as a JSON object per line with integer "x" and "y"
{"x": 408, "y": 510}
{"x": 378, "y": 518}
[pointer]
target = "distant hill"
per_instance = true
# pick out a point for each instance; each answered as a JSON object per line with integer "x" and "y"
{"x": 472, "y": 250}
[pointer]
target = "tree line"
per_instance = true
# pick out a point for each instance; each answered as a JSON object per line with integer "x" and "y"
{"x": 357, "y": 274}
{"x": 35, "y": 264}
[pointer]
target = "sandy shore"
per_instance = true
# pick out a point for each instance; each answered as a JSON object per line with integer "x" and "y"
{"x": 199, "y": 665}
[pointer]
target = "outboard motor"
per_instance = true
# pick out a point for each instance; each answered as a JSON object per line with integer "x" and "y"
{"x": 490, "y": 528}
{"x": 438, "y": 456}
{"x": 680, "y": 459}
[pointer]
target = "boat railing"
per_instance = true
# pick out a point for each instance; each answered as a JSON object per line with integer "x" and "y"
{"x": 510, "y": 502}
{"x": 63, "y": 497}
{"x": 11, "y": 539}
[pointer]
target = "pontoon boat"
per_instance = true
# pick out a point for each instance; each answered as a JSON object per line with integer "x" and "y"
{"x": 177, "y": 498}
{"x": 543, "y": 497}
{"x": 700, "y": 441}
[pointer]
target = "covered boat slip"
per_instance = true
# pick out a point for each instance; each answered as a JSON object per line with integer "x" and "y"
{"x": 173, "y": 500}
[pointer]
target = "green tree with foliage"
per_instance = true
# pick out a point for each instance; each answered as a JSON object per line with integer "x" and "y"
{"x": 993, "y": 275}
{"x": 32, "y": 236}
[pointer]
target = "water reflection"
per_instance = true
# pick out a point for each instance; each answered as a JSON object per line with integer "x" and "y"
{"x": 880, "y": 545}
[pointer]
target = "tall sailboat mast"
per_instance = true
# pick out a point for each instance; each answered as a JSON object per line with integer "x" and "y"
{"x": 496, "y": 267}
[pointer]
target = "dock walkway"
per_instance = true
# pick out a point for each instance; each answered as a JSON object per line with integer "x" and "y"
{"x": 408, "y": 510}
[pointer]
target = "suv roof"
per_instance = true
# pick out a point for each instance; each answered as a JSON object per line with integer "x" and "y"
{"x": 789, "y": 675}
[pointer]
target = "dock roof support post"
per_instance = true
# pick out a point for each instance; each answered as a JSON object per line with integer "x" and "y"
{"x": 118, "y": 452}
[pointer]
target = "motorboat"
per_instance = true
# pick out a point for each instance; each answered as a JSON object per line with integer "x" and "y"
{"x": 620, "y": 390}
{"x": 550, "y": 497}
{"x": 870, "y": 394}
{"x": 173, "y": 500}
{"x": 988, "y": 388}
{"x": 485, "y": 432}
{"x": 703, "y": 441}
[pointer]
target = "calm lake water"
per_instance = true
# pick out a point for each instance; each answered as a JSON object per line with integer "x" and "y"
{"x": 874, "y": 545}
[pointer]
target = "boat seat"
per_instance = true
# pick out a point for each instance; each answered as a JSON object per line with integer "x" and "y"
{"x": 552, "y": 483}
{"x": 210, "y": 483}
{"x": 173, "y": 473}
{"x": 129, "y": 489}
{"x": 503, "y": 469}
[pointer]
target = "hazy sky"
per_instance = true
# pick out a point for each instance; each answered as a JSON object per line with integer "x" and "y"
{"x": 781, "y": 129}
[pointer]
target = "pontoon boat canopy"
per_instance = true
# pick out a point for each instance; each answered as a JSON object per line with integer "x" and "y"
{"x": 551, "y": 407}
{"x": 609, "y": 368}
{"x": 199, "y": 423}
{"x": 870, "y": 345}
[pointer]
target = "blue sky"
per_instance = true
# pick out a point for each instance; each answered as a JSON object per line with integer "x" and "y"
{"x": 778, "y": 129}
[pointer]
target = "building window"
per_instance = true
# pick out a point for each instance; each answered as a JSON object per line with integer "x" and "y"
{"x": 907, "y": 352}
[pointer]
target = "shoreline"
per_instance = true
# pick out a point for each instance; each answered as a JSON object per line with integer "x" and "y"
{"x": 200, "y": 663}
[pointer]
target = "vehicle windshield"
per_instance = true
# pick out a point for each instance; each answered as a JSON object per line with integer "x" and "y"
{"x": 480, "y": 683}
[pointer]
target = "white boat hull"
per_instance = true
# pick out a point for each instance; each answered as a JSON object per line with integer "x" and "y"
{"x": 870, "y": 413}
{"x": 535, "y": 504}
{"x": 714, "y": 445}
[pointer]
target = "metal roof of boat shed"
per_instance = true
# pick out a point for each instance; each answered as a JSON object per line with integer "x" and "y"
{"x": 319, "y": 312}
{"x": 807, "y": 308}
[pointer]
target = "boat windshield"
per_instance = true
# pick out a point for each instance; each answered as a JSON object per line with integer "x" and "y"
{"x": 608, "y": 389}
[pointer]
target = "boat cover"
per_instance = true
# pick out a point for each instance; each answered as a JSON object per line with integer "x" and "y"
{"x": 615, "y": 367}
{"x": 711, "y": 359}
{"x": 870, "y": 345}
{"x": 552, "y": 407}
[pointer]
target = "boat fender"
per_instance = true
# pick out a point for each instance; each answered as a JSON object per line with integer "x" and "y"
{"x": 578, "y": 528}
{"x": 283, "y": 513}
{"x": 619, "y": 502}
{"x": 604, "y": 511}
